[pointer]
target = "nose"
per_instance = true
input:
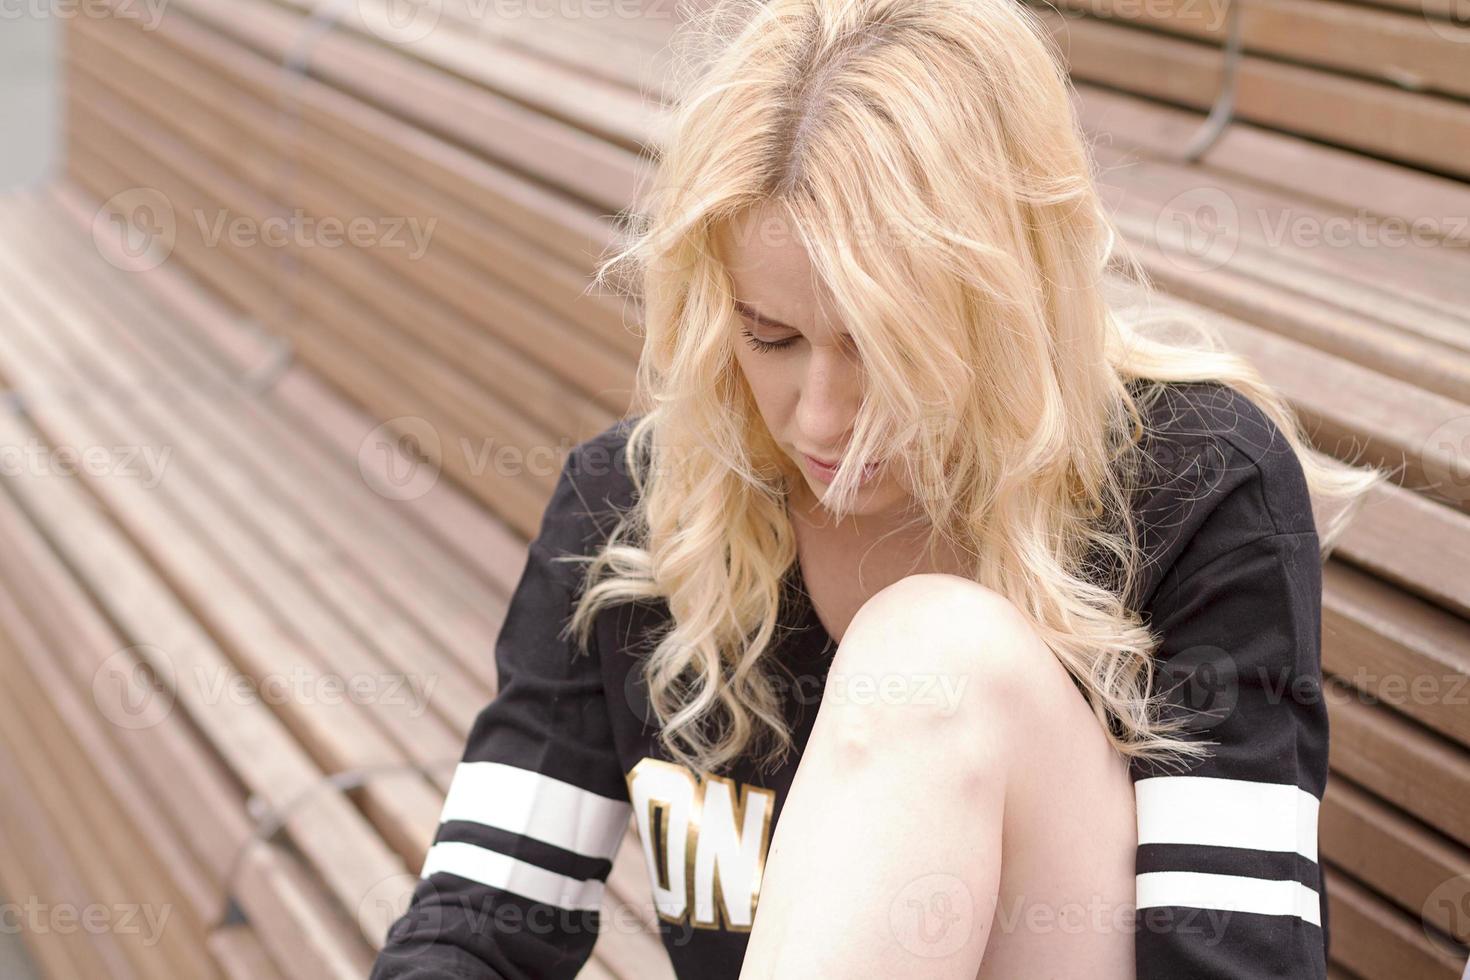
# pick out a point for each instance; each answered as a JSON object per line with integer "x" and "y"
{"x": 830, "y": 395}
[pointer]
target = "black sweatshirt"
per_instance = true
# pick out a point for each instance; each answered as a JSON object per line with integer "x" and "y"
{"x": 1228, "y": 881}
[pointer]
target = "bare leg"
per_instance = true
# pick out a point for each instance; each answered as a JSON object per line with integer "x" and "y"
{"x": 955, "y": 797}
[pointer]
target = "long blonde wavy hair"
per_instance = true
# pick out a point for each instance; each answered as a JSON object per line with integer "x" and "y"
{"x": 928, "y": 154}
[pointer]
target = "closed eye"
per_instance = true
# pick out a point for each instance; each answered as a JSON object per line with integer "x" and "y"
{"x": 765, "y": 346}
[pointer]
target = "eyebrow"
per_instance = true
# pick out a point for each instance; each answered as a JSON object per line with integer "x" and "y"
{"x": 745, "y": 309}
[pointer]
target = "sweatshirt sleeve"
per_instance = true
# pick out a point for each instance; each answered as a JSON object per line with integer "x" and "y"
{"x": 537, "y": 806}
{"x": 1228, "y": 879}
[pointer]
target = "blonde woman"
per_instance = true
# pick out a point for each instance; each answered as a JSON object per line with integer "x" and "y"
{"x": 934, "y": 618}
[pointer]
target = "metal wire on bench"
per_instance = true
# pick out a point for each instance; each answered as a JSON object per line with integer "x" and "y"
{"x": 1223, "y": 109}
{"x": 269, "y": 822}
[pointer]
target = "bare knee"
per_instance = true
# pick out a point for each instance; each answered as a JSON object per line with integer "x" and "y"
{"x": 940, "y": 623}
{"x": 930, "y": 654}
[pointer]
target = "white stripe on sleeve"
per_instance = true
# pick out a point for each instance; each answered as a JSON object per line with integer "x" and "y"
{"x": 537, "y": 806}
{"x": 1231, "y": 893}
{"x": 1226, "y": 813}
{"x": 510, "y": 874}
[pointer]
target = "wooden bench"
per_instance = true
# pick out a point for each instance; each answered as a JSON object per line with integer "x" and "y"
{"x": 263, "y": 552}
{"x": 521, "y": 144}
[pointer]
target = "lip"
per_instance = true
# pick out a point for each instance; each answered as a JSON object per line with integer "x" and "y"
{"x": 827, "y": 472}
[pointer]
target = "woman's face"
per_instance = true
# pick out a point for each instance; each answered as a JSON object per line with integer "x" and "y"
{"x": 802, "y": 367}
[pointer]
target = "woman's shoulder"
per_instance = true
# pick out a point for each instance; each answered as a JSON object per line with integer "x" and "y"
{"x": 592, "y": 492}
{"x": 599, "y": 463}
{"x": 1207, "y": 438}
{"x": 1215, "y": 466}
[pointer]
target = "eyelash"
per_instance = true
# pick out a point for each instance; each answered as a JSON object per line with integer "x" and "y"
{"x": 766, "y": 346}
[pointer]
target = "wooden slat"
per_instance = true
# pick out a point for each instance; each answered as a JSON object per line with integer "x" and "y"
{"x": 1398, "y": 650}
{"x": 40, "y": 873}
{"x": 241, "y": 955}
{"x": 381, "y": 380}
{"x": 1426, "y": 131}
{"x": 1405, "y": 49}
{"x": 1397, "y": 760}
{"x": 470, "y": 324}
{"x": 1378, "y": 943}
{"x": 1396, "y": 856}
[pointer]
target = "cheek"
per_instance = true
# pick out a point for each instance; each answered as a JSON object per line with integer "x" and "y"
{"x": 771, "y": 383}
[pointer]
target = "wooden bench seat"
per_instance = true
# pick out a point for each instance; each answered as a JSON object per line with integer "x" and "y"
{"x": 263, "y": 551}
{"x": 521, "y": 140}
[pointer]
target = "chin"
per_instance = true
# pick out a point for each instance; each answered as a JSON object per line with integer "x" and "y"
{"x": 870, "y": 499}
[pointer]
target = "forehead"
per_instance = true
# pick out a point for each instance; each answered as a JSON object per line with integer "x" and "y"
{"x": 763, "y": 253}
